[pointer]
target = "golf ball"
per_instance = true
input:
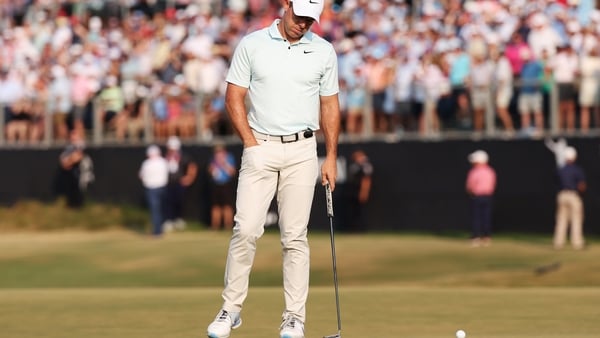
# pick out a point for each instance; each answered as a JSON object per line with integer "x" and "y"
{"x": 461, "y": 334}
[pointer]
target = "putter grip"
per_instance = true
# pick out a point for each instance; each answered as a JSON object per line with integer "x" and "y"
{"x": 329, "y": 200}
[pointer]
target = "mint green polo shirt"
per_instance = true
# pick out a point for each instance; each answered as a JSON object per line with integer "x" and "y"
{"x": 284, "y": 81}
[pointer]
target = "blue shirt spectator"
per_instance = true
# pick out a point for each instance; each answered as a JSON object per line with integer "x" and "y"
{"x": 460, "y": 69}
{"x": 531, "y": 77}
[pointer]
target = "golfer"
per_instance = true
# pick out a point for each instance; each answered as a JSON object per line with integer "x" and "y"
{"x": 290, "y": 75}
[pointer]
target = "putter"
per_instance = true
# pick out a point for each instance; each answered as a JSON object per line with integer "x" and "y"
{"x": 329, "y": 200}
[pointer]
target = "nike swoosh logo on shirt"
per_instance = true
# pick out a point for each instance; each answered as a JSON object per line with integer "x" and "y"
{"x": 308, "y": 51}
{"x": 313, "y": 2}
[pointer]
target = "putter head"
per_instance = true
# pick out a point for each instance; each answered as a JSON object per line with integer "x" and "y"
{"x": 337, "y": 335}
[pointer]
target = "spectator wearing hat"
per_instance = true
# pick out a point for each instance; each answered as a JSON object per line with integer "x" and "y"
{"x": 182, "y": 174}
{"x": 542, "y": 35}
{"x": 480, "y": 185}
{"x": 154, "y": 174}
{"x": 569, "y": 205}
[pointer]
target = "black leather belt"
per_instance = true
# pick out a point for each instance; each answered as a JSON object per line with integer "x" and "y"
{"x": 284, "y": 138}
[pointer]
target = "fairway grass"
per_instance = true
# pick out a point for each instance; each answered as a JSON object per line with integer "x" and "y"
{"x": 120, "y": 284}
{"x": 388, "y": 312}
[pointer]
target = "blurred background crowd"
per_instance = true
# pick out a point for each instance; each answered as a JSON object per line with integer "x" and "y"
{"x": 140, "y": 70}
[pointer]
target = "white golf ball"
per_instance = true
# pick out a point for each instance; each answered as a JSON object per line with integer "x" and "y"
{"x": 461, "y": 334}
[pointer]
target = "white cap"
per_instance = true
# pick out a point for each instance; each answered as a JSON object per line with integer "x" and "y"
{"x": 570, "y": 154}
{"x": 478, "y": 156}
{"x": 309, "y": 8}
{"x": 174, "y": 143}
{"x": 191, "y": 11}
{"x": 153, "y": 150}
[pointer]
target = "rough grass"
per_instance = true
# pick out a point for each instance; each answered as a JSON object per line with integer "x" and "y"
{"x": 36, "y": 216}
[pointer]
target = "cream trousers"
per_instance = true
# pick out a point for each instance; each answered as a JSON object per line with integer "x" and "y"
{"x": 569, "y": 211}
{"x": 289, "y": 170}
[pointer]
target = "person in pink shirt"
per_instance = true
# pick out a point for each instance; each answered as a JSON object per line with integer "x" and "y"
{"x": 513, "y": 51}
{"x": 83, "y": 89}
{"x": 480, "y": 185}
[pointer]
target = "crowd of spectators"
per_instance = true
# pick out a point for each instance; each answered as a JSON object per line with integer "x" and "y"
{"x": 158, "y": 67}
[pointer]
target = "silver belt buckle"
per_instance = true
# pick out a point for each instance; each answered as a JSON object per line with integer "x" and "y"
{"x": 289, "y": 138}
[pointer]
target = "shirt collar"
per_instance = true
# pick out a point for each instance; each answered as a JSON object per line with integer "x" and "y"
{"x": 275, "y": 34}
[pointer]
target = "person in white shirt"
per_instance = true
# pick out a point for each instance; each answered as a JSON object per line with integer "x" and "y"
{"x": 429, "y": 79}
{"x": 480, "y": 79}
{"x": 59, "y": 103}
{"x": 503, "y": 85}
{"x": 154, "y": 174}
{"x": 588, "y": 88}
{"x": 565, "y": 67}
{"x": 290, "y": 76}
{"x": 542, "y": 36}
{"x": 12, "y": 87}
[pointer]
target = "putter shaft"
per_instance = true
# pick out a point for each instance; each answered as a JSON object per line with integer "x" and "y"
{"x": 329, "y": 201}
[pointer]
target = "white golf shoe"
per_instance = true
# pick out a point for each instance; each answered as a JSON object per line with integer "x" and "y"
{"x": 291, "y": 327}
{"x": 223, "y": 323}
